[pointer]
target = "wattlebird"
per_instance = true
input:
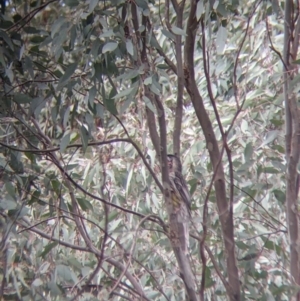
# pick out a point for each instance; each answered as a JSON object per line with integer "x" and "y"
{"x": 178, "y": 205}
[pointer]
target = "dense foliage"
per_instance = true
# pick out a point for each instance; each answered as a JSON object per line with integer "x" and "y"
{"x": 82, "y": 213}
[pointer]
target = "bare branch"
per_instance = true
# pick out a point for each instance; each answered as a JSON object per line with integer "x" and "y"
{"x": 31, "y": 228}
{"x": 130, "y": 255}
{"x": 130, "y": 277}
{"x": 53, "y": 149}
{"x": 206, "y": 71}
{"x": 29, "y": 16}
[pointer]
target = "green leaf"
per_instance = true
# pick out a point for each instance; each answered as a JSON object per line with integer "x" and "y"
{"x": 125, "y": 105}
{"x": 64, "y": 272}
{"x": 37, "y": 282}
{"x": 2, "y": 60}
{"x": 279, "y": 195}
{"x": 149, "y": 104}
{"x": 67, "y": 75}
{"x": 241, "y": 245}
{"x": 193, "y": 183}
{"x": 168, "y": 34}
{"x": 47, "y": 249}
{"x": 154, "y": 89}
{"x": 148, "y": 80}
{"x": 199, "y": 9}
{"x": 178, "y": 31}
{"x": 113, "y": 92}
{"x": 110, "y": 105}
{"x": 95, "y": 48}
{"x": 162, "y": 66}
{"x": 57, "y": 26}
{"x": 22, "y": 98}
{"x": 37, "y": 105}
{"x": 35, "y": 197}
{"x": 72, "y": 3}
{"x": 92, "y": 95}
{"x": 84, "y": 204}
{"x": 107, "y": 34}
{"x": 277, "y": 122}
{"x": 128, "y": 182}
{"x": 244, "y": 168}
{"x": 271, "y": 170}
{"x": 109, "y": 47}
{"x": 66, "y": 117}
{"x": 142, "y": 4}
{"x": 128, "y": 75}
{"x": 7, "y": 39}
{"x": 28, "y": 66}
{"x": 9, "y": 73}
{"x": 244, "y": 126}
{"x": 296, "y": 62}
{"x": 73, "y": 262}
{"x": 84, "y": 137}
{"x": 221, "y": 39}
{"x": 7, "y": 204}
{"x": 92, "y": 5}
{"x": 72, "y": 37}
{"x": 44, "y": 267}
{"x": 123, "y": 93}
{"x": 248, "y": 152}
{"x": 129, "y": 47}
{"x": 55, "y": 289}
{"x": 31, "y": 30}
{"x": 39, "y": 39}
{"x": 271, "y": 136}
{"x": 64, "y": 142}
{"x": 56, "y": 185}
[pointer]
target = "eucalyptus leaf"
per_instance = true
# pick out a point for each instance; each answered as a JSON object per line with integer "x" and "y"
{"x": 123, "y": 93}
{"x": 221, "y": 39}
{"x": 168, "y": 34}
{"x": 92, "y": 5}
{"x": 48, "y": 248}
{"x": 142, "y": 3}
{"x": 149, "y": 104}
{"x": 7, "y": 39}
{"x": 111, "y": 79}
{"x": 248, "y": 151}
{"x": 22, "y": 98}
{"x": 199, "y": 10}
{"x": 84, "y": 137}
{"x": 270, "y": 137}
{"x": 109, "y": 47}
{"x": 178, "y": 31}
{"x": 129, "y": 47}
{"x": 66, "y": 76}
{"x": 64, "y": 142}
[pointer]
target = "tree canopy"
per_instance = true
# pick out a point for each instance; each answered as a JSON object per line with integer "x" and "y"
{"x": 94, "y": 95}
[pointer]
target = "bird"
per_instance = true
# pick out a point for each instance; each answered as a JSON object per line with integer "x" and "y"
{"x": 178, "y": 205}
{"x": 178, "y": 184}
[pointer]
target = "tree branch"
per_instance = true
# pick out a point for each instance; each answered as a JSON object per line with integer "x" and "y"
{"x": 214, "y": 153}
{"x": 180, "y": 80}
{"x": 292, "y": 147}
